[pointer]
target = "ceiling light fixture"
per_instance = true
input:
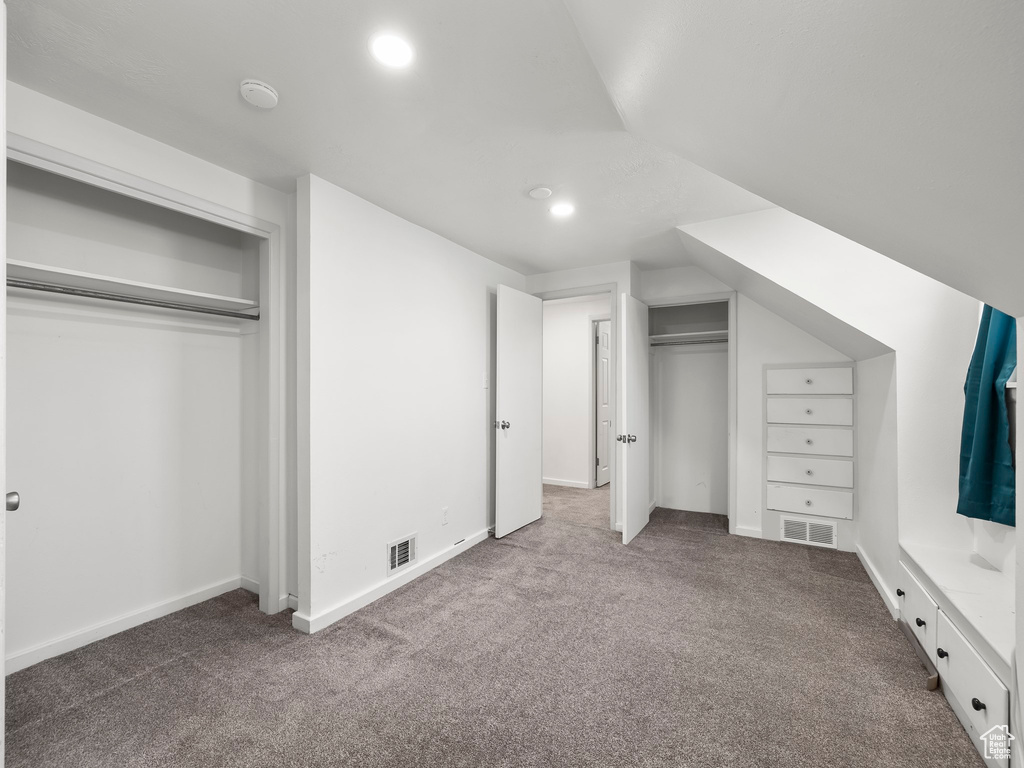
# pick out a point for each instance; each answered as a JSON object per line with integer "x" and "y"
{"x": 259, "y": 94}
{"x": 561, "y": 210}
{"x": 391, "y": 51}
{"x": 540, "y": 193}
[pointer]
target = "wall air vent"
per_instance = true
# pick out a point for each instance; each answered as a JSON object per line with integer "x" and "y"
{"x": 401, "y": 553}
{"x": 813, "y": 532}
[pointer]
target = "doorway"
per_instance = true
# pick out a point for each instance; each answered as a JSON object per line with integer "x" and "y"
{"x": 578, "y": 409}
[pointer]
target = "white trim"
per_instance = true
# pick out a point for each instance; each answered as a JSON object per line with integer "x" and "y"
{"x": 654, "y": 505}
{"x": 753, "y": 533}
{"x": 292, "y": 602}
{"x": 249, "y": 585}
{"x": 52, "y": 648}
{"x": 568, "y": 483}
{"x": 311, "y": 624}
{"x": 271, "y": 406}
{"x": 879, "y": 582}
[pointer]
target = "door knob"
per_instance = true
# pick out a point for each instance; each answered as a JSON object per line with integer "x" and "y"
{"x": 13, "y": 501}
{"x": 978, "y": 704}
{"x": 920, "y": 622}
{"x": 630, "y": 438}
{"x": 505, "y": 425}
{"x": 620, "y": 438}
{"x": 941, "y": 653}
{"x": 900, "y": 593}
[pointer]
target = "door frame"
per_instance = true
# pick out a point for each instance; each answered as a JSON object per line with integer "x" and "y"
{"x": 732, "y": 353}
{"x": 594, "y": 320}
{"x": 612, "y": 290}
{"x": 271, "y": 460}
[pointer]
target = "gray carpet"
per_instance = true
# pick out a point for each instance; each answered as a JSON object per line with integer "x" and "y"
{"x": 555, "y": 646}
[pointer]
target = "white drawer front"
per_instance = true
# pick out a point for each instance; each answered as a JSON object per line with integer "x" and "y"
{"x": 825, "y": 442}
{"x": 797, "y": 469}
{"x": 966, "y": 677}
{"x": 810, "y": 410}
{"x": 918, "y": 610}
{"x": 811, "y": 501}
{"x": 810, "y": 381}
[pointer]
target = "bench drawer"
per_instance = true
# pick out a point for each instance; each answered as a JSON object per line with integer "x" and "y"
{"x": 810, "y": 410}
{"x": 918, "y": 610}
{"x": 967, "y": 679}
{"x": 810, "y": 381}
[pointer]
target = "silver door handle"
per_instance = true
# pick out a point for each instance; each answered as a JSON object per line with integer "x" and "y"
{"x": 13, "y": 501}
{"x": 620, "y": 438}
{"x": 505, "y": 425}
{"x": 630, "y": 438}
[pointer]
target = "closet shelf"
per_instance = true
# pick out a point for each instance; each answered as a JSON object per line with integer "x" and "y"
{"x": 690, "y": 337}
{"x": 71, "y": 278}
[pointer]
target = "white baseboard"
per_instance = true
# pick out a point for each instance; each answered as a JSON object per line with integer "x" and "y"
{"x": 311, "y": 624}
{"x": 653, "y": 506}
{"x": 249, "y": 585}
{"x": 879, "y": 582}
{"x": 51, "y": 648}
{"x": 283, "y": 602}
{"x": 292, "y": 602}
{"x": 566, "y": 483}
{"x": 753, "y": 533}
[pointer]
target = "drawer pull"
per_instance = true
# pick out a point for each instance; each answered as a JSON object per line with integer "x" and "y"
{"x": 808, "y": 411}
{"x": 941, "y": 653}
{"x": 808, "y": 502}
{"x": 810, "y": 381}
{"x": 919, "y": 622}
{"x": 809, "y": 472}
{"x": 810, "y": 442}
{"x": 978, "y": 704}
{"x": 900, "y": 593}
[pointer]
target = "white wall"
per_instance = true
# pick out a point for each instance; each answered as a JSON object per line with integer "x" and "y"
{"x": 765, "y": 338}
{"x": 396, "y": 338}
{"x": 930, "y": 326}
{"x": 52, "y": 123}
{"x": 690, "y": 410}
{"x": 568, "y": 383}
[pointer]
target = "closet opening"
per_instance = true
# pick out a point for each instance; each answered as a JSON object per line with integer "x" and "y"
{"x": 579, "y": 410}
{"x": 689, "y": 396}
{"x": 141, "y": 356}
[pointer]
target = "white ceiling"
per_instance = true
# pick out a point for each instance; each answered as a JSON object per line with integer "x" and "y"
{"x": 897, "y": 124}
{"x": 503, "y": 96}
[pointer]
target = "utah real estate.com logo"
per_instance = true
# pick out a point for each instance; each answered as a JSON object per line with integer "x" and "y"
{"x": 997, "y": 742}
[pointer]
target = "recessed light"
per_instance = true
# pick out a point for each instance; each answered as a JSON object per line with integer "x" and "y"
{"x": 259, "y": 94}
{"x": 561, "y": 210}
{"x": 540, "y": 193}
{"x": 391, "y": 51}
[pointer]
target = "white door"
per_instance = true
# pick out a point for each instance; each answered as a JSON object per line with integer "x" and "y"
{"x": 635, "y": 440}
{"x": 602, "y": 387}
{"x": 518, "y": 482}
{"x": 3, "y": 359}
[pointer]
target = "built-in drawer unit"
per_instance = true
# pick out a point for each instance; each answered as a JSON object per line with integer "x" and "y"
{"x": 820, "y": 441}
{"x": 810, "y": 410}
{"x": 810, "y": 501}
{"x": 918, "y": 610}
{"x": 801, "y": 469}
{"x": 809, "y": 444}
{"x": 810, "y": 381}
{"x": 974, "y": 691}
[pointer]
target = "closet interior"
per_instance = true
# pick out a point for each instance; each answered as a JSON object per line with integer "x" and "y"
{"x": 689, "y": 406}
{"x": 133, "y": 354}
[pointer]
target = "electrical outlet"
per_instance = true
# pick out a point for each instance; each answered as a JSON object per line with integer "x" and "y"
{"x": 444, "y": 515}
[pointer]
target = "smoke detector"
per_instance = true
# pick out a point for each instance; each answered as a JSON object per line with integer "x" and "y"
{"x": 259, "y": 94}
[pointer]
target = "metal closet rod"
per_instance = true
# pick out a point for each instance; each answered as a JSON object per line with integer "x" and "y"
{"x": 33, "y": 285}
{"x": 688, "y": 343}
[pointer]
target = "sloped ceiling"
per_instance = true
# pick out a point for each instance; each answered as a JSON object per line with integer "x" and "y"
{"x": 502, "y": 97}
{"x": 899, "y": 125}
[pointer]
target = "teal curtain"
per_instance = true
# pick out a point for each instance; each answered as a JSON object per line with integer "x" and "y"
{"x": 986, "y": 463}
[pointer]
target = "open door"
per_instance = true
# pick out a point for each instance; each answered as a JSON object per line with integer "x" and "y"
{"x": 518, "y": 483}
{"x": 634, "y": 444}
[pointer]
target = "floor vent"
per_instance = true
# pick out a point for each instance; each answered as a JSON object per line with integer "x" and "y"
{"x": 401, "y": 553}
{"x": 814, "y": 533}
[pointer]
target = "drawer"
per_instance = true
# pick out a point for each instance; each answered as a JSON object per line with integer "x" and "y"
{"x": 917, "y": 610}
{"x": 965, "y": 677}
{"x": 811, "y": 501}
{"x": 836, "y": 411}
{"x": 797, "y": 469}
{"x": 826, "y": 442}
{"x": 810, "y": 381}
